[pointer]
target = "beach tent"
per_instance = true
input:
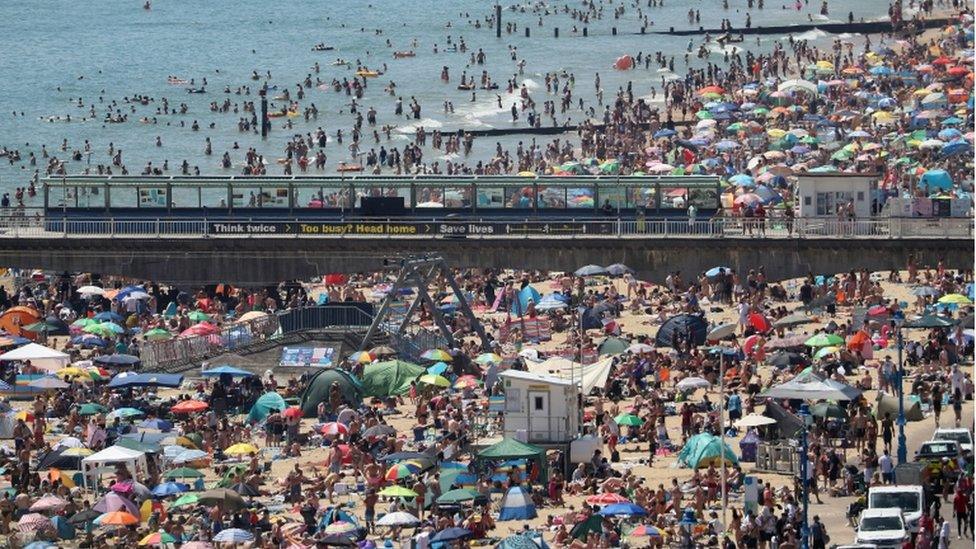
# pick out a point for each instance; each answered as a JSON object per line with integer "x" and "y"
{"x": 521, "y": 305}
{"x": 135, "y": 460}
{"x": 39, "y": 356}
{"x": 527, "y": 540}
{"x": 392, "y": 377}
{"x": 14, "y": 318}
{"x": 613, "y": 346}
{"x": 318, "y": 386}
{"x": 705, "y": 449}
{"x": 888, "y": 404}
{"x": 509, "y": 448}
{"x": 264, "y": 405}
{"x": 517, "y": 505}
{"x": 683, "y": 325}
{"x": 808, "y": 386}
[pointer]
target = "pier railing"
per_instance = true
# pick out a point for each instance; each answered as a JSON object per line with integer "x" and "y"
{"x": 20, "y": 227}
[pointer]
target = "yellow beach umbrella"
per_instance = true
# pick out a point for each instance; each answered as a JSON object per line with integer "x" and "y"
{"x": 241, "y": 449}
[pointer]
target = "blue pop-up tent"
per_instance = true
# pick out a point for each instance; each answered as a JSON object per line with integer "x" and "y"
{"x": 521, "y": 304}
{"x": 517, "y": 505}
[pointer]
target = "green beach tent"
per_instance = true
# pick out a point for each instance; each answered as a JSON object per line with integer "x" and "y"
{"x": 265, "y": 403}
{"x": 388, "y": 378}
{"x": 318, "y": 387}
{"x": 703, "y": 450}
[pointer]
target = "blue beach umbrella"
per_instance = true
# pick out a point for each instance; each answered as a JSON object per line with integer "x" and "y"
{"x": 625, "y": 508}
{"x": 935, "y": 180}
{"x": 170, "y": 489}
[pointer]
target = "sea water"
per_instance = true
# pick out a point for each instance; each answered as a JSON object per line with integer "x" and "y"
{"x": 53, "y": 52}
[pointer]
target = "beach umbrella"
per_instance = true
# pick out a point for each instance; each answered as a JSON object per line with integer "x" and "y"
{"x": 84, "y": 516}
{"x": 225, "y": 370}
{"x": 377, "y": 431}
{"x": 334, "y": 429}
{"x": 754, "y": 420}
{"x": 292, "y": 412}
{"x": 398, "y": 518}
{"x": 91, "y": 409}
{"x": 693, "y": 383}
{"x": 158, "y": 538}
{"x": 382, "y": 351}
{"x": 403, "y": 470}
{"x": 89, "y": 291}
{"x": 437, "y": 355}
{"x": 48, "y": 503}
{"x": 183, "y": 472}
{"x": 245, "y": 489}
{"x": 184, "y": 500}
{"x": 436, "y": 381}
{"x": 784, "y": 359}
{"x": 955, "y": 148}
{"x": 397, "y": 492}
{"x": 590, "y": 270}
{"x": 489, "y": 358}
{"x": 606, "y": 499}
{"x": 957, "y": 299}
{"x": 623, "y": 509}
{"x": 117, "y": 518}
{"x": 642, "y": 530}
{"x": 169, "y": 489}
{"x": 664, "y": 132}
{"x": 927, "y": 291}
{"x": 226, "y": 499}
{"x": 241, "y": 449}
{"x": 157, "y": 424}
{"x": 467, "y": 382}
{"x": 158, "y": 334}
{"x": 33, "y": 522}
{"x": 824, "y": 340}
{"x": 825, "y": 351}
{"x": 108, "y": 316}
{"x": 450, "y": 534}
{"x": 115, "y": 502}
{"x": 619, "y": 269}
{"x": 189, "y": 407}
{"x": 361, "y": 357}
{"x": 457, "y": 495}
{"x": 629, "y": 419}
{"x": 124, "y": 413}
{"x": 792, "y": 320}
{"x": 233, "y": 535}
{"x": 929, "y": 321}
{"x": 828, "y": 410}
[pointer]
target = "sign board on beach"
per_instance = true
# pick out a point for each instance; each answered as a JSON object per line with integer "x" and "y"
{"x": 408, "y": 228}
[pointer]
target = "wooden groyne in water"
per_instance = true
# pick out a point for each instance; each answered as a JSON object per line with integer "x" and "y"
{"x": 863, "y": 27}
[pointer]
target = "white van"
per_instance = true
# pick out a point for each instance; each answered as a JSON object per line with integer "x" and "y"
{"x": 884, "y": 528}
{"x": 909, "y": 498}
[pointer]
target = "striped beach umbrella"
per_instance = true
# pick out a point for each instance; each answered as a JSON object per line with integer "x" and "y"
{"x": 233, "y": 535}
{"x": 48, "y": 503}
{"x": 403, "y": 470}
{"x": 467, "y": 382}
{"x": 157, "y": 538}
{"x": 437, "y": 354}
{"x": 606, "y": 499}
{"x": 334, "y": 429}
{"x": 32, "y": 522}
{"x": 436, "y": 381}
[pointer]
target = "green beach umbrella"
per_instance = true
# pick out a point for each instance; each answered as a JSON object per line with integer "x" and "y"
{"x": 158, "y": 334}
{"x": 186, "y": 499}
{"x": 198, "y": 316}
{"x": 457, "y": 496}
{"x": 824, "y": 340}
{"x": 91, "y": 409}
{"x": 629, "y": 419}
{"x": 183, "y": 472}
{"x": 398, "y": 492}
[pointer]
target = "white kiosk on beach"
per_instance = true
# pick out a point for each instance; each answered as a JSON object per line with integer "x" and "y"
{"x": 540, "y": 409}
{"x": 820, "y": 194}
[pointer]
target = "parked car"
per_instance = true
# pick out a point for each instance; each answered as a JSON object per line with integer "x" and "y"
{"x": 962, "y": 436}
{"x": 909, "y": 498}
{"x": 884, "y": 528}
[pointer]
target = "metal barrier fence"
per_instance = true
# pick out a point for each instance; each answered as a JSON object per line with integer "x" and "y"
{"x": 160, "y": 355}
{"x": 732, "y": 227}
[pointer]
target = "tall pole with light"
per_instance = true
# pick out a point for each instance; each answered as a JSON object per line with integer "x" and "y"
{"x": 805, "y": 528}
{"x": 900, "y": 380}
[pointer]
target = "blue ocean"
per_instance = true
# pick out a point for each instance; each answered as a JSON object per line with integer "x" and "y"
{"x": 62, "y": 60}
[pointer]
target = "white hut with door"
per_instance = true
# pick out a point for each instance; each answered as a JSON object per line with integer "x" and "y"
{"x": 540, "y": 408}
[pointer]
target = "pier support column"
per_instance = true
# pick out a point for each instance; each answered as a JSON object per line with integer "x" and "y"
{"x": 498, "y": 20}
{"x": 265, "y": 123}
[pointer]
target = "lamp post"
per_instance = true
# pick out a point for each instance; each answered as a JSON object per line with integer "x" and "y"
{"x": 805, "y": 528}
{"x": 900, "y": 379}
